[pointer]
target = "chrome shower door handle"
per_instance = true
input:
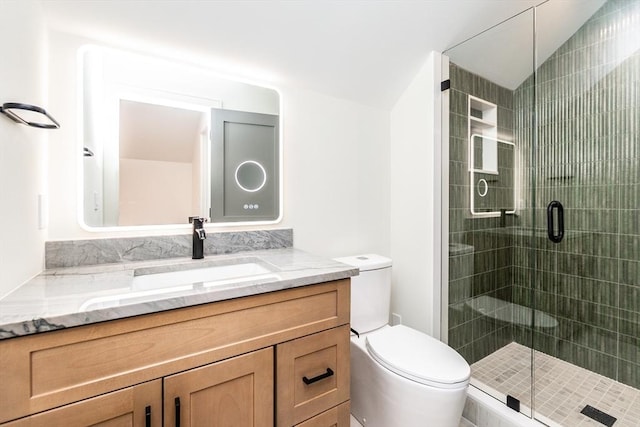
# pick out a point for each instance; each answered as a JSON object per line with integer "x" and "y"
{"x": 555, "y": 237}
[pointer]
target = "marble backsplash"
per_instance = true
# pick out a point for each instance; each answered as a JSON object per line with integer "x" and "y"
{"x": 73, "y": 253}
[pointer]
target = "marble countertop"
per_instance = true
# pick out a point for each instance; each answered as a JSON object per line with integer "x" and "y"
{"x": 76, "y": 296}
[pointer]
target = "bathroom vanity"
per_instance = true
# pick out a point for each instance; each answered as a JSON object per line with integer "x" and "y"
{"x": 263, "y": 352}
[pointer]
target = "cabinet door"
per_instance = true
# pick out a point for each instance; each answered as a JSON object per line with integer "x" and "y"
{"x": 236, "y": 392}
{"x": 137, "y": 406}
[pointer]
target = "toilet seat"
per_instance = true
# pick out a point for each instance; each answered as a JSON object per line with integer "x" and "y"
{"x": 418, "y": 357}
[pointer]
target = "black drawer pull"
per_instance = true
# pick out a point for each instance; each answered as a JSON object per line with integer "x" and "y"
{"x": 147, "y": 416}
{"x": 327, "y": 374}
{"x": 177, "y": 404}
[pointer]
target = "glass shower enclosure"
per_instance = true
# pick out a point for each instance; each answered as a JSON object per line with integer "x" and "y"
{"x": 542, "y": 125}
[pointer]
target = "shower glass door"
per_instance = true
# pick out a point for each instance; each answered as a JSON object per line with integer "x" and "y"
{"x": 543, "y": 119}
{"x": 491, "y": 104}
{"x": 587, "y": 355}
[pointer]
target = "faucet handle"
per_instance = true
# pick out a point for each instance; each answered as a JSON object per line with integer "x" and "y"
{"x": 201, "y": 233}
{"x": 198, "y": 226}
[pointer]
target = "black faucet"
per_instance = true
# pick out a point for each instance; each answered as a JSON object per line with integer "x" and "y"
{"x": 198, "y": 236}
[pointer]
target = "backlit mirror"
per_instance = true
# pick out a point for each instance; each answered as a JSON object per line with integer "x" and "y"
{"x": 160, "y": 140}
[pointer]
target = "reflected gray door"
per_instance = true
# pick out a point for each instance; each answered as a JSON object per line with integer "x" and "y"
{"x": 244, "y": 166}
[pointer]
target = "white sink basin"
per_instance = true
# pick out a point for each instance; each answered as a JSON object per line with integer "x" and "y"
{"x": 126, "y": 298}
{"x": 154, "y": 283}
{"x": 208, "y": 276}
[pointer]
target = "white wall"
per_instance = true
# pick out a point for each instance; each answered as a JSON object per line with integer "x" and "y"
{"x": 22, "y": 149}
{"x": 415, "y": 171}
{"x": 336, "y": 167}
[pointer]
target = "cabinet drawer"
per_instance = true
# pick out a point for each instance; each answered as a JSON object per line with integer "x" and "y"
{"x": 312, "y": 375}
{"x": 335, "y": 417}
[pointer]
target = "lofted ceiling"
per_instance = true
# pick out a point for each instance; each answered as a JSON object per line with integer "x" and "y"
{"x": 505, "y": 54}
{"x": 366, "y": 51}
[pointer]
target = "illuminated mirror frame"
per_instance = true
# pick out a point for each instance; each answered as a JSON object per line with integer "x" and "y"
{"x": 117, "y": 92}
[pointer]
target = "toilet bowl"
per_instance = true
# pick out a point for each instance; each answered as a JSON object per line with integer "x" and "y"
{"x": 399, "y": 376}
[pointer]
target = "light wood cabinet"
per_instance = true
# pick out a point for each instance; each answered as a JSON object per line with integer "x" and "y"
{"x": 218, "y": 361}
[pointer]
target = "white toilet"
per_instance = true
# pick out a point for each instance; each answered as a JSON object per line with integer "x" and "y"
{"x": 400, "y": 377}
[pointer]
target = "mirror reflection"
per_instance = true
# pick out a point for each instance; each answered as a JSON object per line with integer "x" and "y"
{"x": 147, "y": 142}
{"x": 162, "y": 154}
{"x": 493, "y": 190}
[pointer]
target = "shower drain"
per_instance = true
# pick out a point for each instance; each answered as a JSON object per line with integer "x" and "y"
{"x": 598, "y": 415}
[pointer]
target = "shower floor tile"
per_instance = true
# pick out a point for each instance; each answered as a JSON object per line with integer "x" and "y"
{"x": 562, "y": 390}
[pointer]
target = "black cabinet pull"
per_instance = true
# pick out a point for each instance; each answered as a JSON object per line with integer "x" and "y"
{"x": 553, "y": 236}
{"x": 147, "y": 416}
{"x": 327, "y": 374}
{"x": 177, "y": 403}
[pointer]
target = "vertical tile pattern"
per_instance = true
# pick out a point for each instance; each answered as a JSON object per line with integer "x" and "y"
{"x": 587, "y": 156}
{"x": 480, "y": 261}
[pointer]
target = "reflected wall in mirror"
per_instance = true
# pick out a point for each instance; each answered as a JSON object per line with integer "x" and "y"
{"x": 146, "y": 139}
{"x": 162, "y": 153}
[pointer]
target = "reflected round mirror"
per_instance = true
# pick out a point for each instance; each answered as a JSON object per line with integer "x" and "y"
{"x": 250, "y": 176}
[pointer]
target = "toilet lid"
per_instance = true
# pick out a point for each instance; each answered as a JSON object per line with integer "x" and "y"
{"x": 418, "y": 357}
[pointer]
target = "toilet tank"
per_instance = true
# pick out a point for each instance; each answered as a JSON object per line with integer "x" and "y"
{"x": 370, "y": 291}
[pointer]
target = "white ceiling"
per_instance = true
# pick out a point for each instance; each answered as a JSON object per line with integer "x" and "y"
{"x": 365, "y": 51}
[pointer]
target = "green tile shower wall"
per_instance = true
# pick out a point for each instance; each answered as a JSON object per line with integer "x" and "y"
{"x": 587, "y": 156}
{"x": 487, "y": 269}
